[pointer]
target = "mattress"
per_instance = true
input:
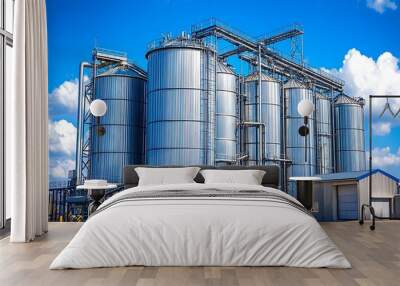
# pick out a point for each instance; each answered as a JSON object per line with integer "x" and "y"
{"x": 201, "y": 225}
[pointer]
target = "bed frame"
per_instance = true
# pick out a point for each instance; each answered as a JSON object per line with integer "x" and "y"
{"x": 270, "y": 179}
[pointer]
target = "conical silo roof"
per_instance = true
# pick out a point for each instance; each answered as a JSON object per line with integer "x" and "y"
{"x": 345, "y": 99}
{"x": 264, "y": 77}
{"x": 224, "y": 68}
{"x": 319, "y": 95}
{"x": 293, "y": 84}
{"x": 121, "y": 70}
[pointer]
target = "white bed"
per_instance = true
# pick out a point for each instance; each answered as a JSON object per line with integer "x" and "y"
{"x": 185, "y": 230}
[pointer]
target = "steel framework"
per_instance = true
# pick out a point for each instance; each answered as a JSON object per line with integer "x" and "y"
{"x": 269, "y": 59}
{"x": 259, "y": 54}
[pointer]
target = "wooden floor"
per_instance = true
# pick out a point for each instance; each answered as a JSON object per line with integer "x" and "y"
{"x": 375, "y": 257}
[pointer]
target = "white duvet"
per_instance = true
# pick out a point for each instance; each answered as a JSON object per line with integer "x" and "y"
{"x": 200, "y": 231}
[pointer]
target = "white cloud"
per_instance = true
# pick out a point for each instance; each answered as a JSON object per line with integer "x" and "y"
{"x": 62, "y": 134}
{"x": 62, "y": 144}
{"x": 382, "y": 157}
{"x": 364, "y": 76}
{"x": 62, "y": 137}
{"x": 59, "y": 168}
{"x": 381, "y": 5}
{"x": 66, "y": 94}
{"x": 382, "y": 128}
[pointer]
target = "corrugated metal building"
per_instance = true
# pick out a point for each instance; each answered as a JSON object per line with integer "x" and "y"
{"x": 339, "y": 196}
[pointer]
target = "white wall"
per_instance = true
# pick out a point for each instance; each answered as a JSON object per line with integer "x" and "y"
{"x": 324, "y": 197}
{"x": 382, "y": 187}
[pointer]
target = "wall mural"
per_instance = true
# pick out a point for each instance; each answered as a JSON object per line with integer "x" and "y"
{"x": 215, "y": 94}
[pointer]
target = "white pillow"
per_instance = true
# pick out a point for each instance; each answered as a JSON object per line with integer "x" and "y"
{"x": 166, "y": 176}
{"x": 248, "y": 177}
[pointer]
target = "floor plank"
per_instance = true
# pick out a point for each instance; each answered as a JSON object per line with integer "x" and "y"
{"x": 375, "y": 257}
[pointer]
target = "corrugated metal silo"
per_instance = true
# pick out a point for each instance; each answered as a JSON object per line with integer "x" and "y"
{"x": 270, "y": 116}
{"x": 226, "y": 115}
{"x": 349, "y": 130}
{"x": 180, "y": 125}
{"x": 295, "y": 144}
{"x": 324, "y": 135}
{"x": 123, "y": 90}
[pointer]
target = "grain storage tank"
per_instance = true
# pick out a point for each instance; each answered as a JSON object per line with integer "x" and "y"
{"x": 324, "y": 134}
{"x": 295, "y": 144}
{"x": 226, "y": 115}
{"x": 123, "y": 90}
{"x": 270, "y": 116}
{"x": 349, "y": 130}
{"x": 180, "y": 125}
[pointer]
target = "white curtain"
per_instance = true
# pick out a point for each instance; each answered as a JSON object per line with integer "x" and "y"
{"x": 27, "y": 124}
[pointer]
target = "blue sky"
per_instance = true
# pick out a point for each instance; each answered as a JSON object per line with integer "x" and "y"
{"x": 360, "y": 30}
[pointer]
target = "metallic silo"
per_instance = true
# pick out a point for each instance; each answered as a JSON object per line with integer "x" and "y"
{"x": 295, "y": 144}
{"x": 270, "y": 117}
{"x": 349, "y": 130}
{"x": 225, "y": 115}
{"x": 324, "y": 126}
{"x": 180, "y": 125}
{"x": 123, "y": 90}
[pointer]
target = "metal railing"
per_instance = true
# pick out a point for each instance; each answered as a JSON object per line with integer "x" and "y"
{"x": 62, "y": 207}
{"x": 179, "y": 41}
{"x": 215, "y": 22}
{"x": 58, "y": 208}
{"x": 212, "y": 26}
{"x": 279, "y": 30}
{"x": 112, "y": 53}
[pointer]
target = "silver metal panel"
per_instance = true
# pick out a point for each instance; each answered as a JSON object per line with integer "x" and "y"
{"x": 324, "y": 135}
{"x": 347, "y": 202}
{"x": 180, "y": 108}
{"x": 349, "y": 128}
{"x": 122, "y": 144}
{"x": 295, "y": 142}
{"x": 225, "y": 113}
{"x": 270, "y": 116}
{"x": 325, "y": 197}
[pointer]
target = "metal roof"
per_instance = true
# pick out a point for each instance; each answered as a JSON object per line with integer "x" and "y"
{"x": 293, "y": 84}
{"x": 121, "y": 70}
{"x": 320, "y": 96}
{"x": 264, "y": 77}
{"x": 223, "y": 68}
{"x": 345, "y": 99}
{"x": 179, "y": 42}
{"x": 355, "y": 176}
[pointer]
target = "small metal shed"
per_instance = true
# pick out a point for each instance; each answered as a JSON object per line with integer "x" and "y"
{"x": 339, "y": 196}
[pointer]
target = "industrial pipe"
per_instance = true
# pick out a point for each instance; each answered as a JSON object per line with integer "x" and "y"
{"x": 284, "y": 154}
{"x": 242, "y": 134}
{"x": 333, "y": 138}
{"x": 259, "y": 159}
{"x": 260, "y": 146}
